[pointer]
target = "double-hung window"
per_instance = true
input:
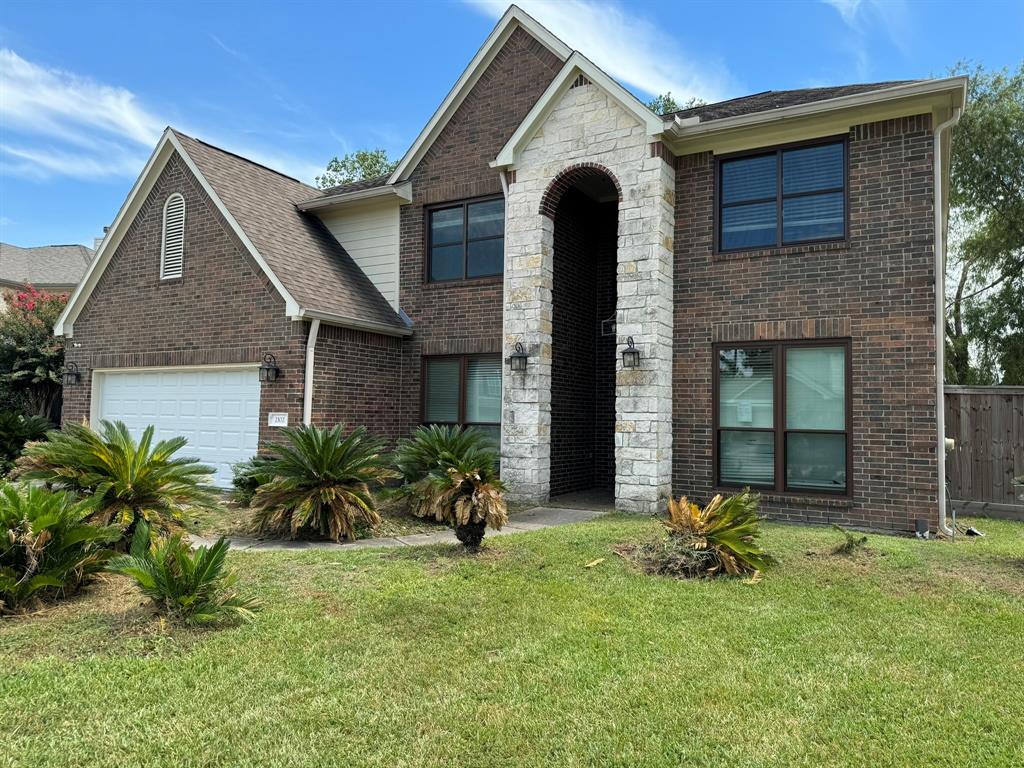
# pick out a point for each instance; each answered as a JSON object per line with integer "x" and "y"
{"x": 466, "y": 240}
{"x": 782, "y": 416}
{"x": 782, "y": 197}
{"x": 463, "y": 390}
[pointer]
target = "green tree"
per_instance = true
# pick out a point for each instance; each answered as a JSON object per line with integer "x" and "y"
{"x": 985, "y": 262}
{"x": 31, "y": 357}
{"x": 356, "y": 166}
{"x": 665, "y": 104}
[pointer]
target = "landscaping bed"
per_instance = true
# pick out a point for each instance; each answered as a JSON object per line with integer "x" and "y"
{"x": 902, "y": 653}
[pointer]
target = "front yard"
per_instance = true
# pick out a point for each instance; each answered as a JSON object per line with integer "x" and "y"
{"x": 908, "y": 655}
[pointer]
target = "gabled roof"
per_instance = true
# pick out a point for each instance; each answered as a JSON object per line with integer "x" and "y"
{"x": 45, "y": 265}
{"x": 765, "y": 100}
{"x": 577, "y": 64}
{"x": 303, "y": 261}
{"x": 514, "y": 17}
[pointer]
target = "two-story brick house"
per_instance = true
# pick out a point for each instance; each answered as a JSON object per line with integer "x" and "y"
{"x": 743, "y": 293}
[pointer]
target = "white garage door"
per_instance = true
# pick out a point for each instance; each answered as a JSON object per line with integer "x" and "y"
{"x": 216, "y": 410}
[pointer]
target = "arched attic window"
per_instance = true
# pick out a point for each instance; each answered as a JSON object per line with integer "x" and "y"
{"x": 172, "y": 250}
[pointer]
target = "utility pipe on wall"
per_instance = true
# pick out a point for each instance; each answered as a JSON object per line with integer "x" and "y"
{"x": 940, "y": 320}
{"x": 307, "y": 388}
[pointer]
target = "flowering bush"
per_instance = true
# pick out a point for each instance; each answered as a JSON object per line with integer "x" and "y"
{"x": 31, "y": 357}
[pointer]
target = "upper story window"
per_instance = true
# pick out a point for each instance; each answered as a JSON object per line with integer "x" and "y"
{"x": 172, "y": 249}
{"x": 466, "y": 240}
{"x": 782, "y": 197}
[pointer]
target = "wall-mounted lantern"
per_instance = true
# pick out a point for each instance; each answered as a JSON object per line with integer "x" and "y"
{"x": 71, "y": 375}
{"x": 517, "y": 360}
{"x": 630, "y": 355}
{"x": 269, "y": 370}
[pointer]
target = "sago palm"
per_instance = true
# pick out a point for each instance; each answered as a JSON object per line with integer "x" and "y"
{"x": 450, "y": 474}
{"x": 47, "y": 547}
{"x": 193, "y": 587}
{"x": 127, "y": 480}
{"x": 322, "y": 484}
{"x": 723, "y": 535}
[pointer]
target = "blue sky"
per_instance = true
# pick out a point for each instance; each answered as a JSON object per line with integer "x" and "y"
{"x": 86, "y": 88}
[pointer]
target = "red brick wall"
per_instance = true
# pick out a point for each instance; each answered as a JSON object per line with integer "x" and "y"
{"x": 877, "y": 289}
{"x": 466, "y": 316}
{"x": 222, "y": 309}
{"x": 357, "y": 378}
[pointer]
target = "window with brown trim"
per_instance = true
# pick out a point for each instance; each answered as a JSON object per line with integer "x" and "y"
{"x": 782, "y": 196}
{"x": 466, "y": 239}
{"x": 463, "y": 389}
{"x": 782, "y": 416}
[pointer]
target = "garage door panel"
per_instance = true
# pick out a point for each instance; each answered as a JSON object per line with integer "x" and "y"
{"x": 216, "y": 411}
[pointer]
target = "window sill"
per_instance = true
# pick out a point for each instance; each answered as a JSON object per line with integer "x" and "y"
{"x": 785, "y": 250}
{"x": 488, "y": 280}
{"x": 792, "y": 497}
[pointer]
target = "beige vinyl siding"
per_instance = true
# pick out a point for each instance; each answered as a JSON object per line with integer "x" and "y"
{"x": 370, "y": 235}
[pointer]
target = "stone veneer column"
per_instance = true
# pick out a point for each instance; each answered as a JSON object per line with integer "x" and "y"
{"x": 590, "y": 127}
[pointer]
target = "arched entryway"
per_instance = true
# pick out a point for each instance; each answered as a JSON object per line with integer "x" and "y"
{"x": 583, "y": 204}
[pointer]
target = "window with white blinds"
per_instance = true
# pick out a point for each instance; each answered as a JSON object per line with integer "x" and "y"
{"x": 463, "y": 390}
{"x": 172, "y": 250}
{"x": 782, "y": 419}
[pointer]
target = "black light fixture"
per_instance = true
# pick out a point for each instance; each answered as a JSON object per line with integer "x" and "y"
{"x": 630, "y": 355}
{"x": 269, "y": 369}
{"x": 71, "y": 375}
{"x": 517, "y": 360}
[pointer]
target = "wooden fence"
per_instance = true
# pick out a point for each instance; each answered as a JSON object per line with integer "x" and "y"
{"x": 988, "y": 426}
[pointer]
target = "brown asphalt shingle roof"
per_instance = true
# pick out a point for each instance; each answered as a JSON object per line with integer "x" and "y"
{"x": 355, "y": 186}
{"x": 297, "y": 247}
{"x": 762, "y": 102}
{"x": 44, "y": 266}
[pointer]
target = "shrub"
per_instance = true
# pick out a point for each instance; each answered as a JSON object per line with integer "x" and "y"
{"x": 321, "y": 483}
{"x": 720, "y": 538}
{"x": 247, "y": 477}
{"x": 128, "y": 480}
{"x": 188, "y": 586}
{"x": 15, "y": 431}
{"x": 450, "y": 473}
{"x": 31, "y": 357}
{"x": 46, "y": 546}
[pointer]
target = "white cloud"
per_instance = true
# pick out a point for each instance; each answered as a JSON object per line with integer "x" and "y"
{"x": 630, "y": 48}
{"x": 864, "y": 19}
{"x": 58, "y": 123}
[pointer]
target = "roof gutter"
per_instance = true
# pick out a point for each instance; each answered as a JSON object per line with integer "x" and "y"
{"x": 940, "y": 317}
{"x": 402, "y": 191}
{"x": 349, "y": 322}
{"x": 685, "y": 128}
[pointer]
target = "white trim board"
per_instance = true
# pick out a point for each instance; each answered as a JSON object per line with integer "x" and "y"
{"x": 165, "y": 148}
{"x": 514, "y": 17}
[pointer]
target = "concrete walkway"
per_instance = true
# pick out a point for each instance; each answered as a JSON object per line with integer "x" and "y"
{"x": 519, "y": 522}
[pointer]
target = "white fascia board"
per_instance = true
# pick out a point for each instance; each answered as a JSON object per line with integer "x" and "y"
{"x": 680, "y": 129}
{"x": 513, "y": 17}
{"x": 575, "y": 65}
{"x": 402, "y": 191}
{"x": 350, "y": 322}
{"x": 167, "y": 145}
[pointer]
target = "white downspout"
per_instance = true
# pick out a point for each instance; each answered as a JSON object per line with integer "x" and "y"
{"x": 307, "y": 389}
{"x": 940, "y": 321}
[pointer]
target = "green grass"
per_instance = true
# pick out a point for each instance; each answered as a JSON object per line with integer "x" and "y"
{"x": 908, "y": 655}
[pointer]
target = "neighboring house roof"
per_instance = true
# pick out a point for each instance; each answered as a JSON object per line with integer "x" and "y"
{"x": 45, "y": 266}
{"x": 765, "y": 100}
{"x": 300, "y": 257}
{"x": 298, "y": 248}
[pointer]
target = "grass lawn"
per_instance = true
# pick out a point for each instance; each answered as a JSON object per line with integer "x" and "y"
{"x": 910, "y": 655}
